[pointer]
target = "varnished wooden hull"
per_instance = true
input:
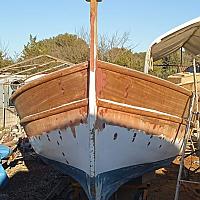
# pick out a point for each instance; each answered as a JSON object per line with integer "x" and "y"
{"x": 139, "y": 120}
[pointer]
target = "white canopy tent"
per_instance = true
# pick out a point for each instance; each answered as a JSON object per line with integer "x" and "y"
{"x": 186, "y": 35}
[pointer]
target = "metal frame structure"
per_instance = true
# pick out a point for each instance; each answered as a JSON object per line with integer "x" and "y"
{"x": 44, "y": 63}
{"x": 195, "y": 100}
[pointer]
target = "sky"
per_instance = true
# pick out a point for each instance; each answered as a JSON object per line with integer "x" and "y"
{"x": 144, "y": 20}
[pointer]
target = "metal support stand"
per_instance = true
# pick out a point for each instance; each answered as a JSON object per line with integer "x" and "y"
{"x": 186, "y": 137}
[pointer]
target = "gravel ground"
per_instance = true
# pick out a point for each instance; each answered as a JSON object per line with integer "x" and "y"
{"x": 30, "y": 180}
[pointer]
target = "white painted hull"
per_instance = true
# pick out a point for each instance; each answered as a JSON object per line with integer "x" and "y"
{"x": 115, "y": 148}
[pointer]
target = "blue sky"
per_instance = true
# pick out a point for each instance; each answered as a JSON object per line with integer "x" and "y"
{"x": 143, "y": 19}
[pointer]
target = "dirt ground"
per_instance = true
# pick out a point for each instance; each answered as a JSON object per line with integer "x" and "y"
{"x": 163, "y": 186}
{"x": 31, "y": 179}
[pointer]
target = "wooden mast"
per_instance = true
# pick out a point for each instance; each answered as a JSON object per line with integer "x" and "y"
{"x": 93, "y": 59}
{"x": 92, "y": 93}
{"x": 93, "y": 34}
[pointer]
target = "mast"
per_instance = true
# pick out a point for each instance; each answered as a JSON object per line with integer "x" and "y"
{"x": 92, "y": 94}
{"x": 93, "y": 58}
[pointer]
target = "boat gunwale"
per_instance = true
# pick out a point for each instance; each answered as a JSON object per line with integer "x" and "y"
{"x": 54, "y": 75}
{"x": 102, "y": 65}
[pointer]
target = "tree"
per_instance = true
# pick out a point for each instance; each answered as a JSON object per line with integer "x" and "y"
{"x": 33, "y": 48}
{"x": 115, "y": 49}
{"x": 4, "y": 59}
{"x": 125, "y": 57}
{"x": 64, "y": 46}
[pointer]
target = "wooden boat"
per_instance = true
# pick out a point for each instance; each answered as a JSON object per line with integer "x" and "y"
{"x": 101, "y": 123}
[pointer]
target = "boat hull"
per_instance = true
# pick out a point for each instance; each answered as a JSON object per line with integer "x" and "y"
{"x": 116, "y": 163}
{"x": 137, "y": 123}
